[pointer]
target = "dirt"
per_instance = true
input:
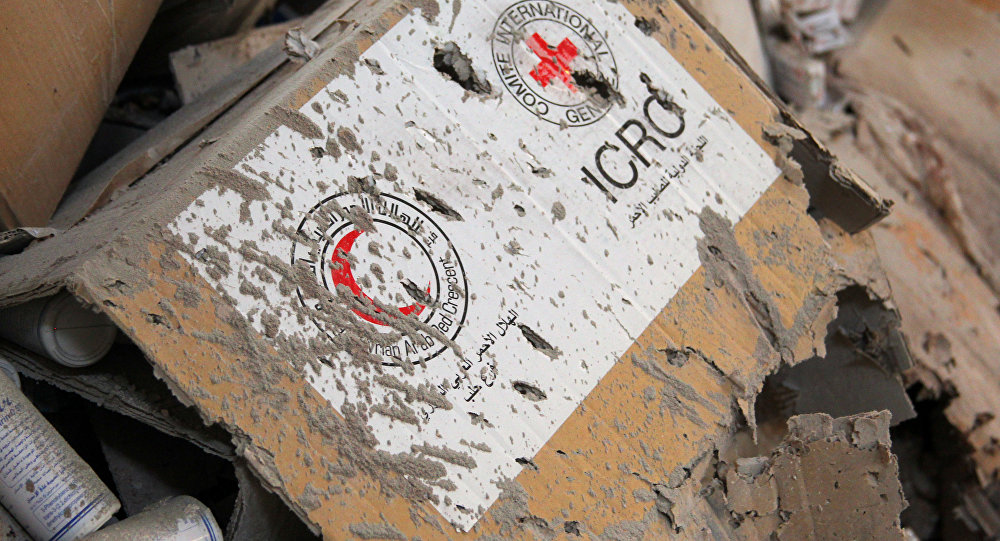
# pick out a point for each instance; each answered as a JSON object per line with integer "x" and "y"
{"x": 297, "y": 121}
{"x": 365, "y": 530}
{"x": 820, "y": 458}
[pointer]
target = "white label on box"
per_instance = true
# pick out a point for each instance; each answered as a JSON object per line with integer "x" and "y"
{"x": 569, "y": 220}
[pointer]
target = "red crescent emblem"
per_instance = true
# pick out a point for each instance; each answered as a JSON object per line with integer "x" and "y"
{"x": 342, "y": 275}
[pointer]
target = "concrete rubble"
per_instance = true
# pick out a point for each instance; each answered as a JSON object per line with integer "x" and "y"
{"x": 513, "y": 269}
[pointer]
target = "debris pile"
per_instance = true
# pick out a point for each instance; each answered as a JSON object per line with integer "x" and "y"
{"x": 508, "y": 269}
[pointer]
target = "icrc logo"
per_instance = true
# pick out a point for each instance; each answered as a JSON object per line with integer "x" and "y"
{"x": 403, "y": 260}
{"x": 554, "y": 62}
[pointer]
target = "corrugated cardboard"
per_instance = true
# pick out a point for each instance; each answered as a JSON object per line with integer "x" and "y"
{"x": 61, "y": 67}
{"x": 587, "y": 340}
{"x": 820, "y": 457}
{"x": 139, "y": 157}
{"x": 931, "y": 278}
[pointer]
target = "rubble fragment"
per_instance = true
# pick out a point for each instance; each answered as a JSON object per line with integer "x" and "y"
{"x": 798, "y": 491}
{"x": 299, "y": 47}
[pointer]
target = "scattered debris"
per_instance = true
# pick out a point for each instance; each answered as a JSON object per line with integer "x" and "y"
{"x": 800, "y": 35}
{"x": 47, "y": 487}
{"x": 799, "y": 78}
{"x": 299, "y": 47}
{"x": 197, "y": 68}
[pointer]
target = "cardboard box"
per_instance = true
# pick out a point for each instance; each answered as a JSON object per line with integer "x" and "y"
{"x": 506, "y": 268}
{"x": 942, "y": 72}
{"x": 934, "y": 279}
{"x": 54, "y": 96}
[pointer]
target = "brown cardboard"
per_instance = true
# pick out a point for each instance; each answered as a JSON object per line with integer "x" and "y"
{"x": 259, "y": 514}
{"x": 805, "y": 477}
{"x": 943, "y": 68}
{"x": 62, "y": 65}
{"x": 621, "y": 464}
{"x": 124, "y": 383}
{"x": 861, "y": 370}
{"x": 932, "y": 279}
{"x": 945, "y": 79}
{"x": 138, "y": 158}
{"x": 197, "y": 68}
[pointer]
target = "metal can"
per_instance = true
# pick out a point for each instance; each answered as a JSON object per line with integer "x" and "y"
{"x": 61, "y": 328}
{"x": 48, "y": 489}
{"x": 10, "y": 530}
{"x": 181, "y": 518}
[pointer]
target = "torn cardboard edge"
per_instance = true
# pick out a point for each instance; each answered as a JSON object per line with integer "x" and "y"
{"x": 861, "y": 370}
{"x": 14, "y": 241}
{"x": 934, "y": 280}
{"x": 259, "y": 514}
{"x": 47, "y": 270}
{"x": 831, "y": 186}
{"x": 837, "y": 476}
{"x": 199, "y": 67}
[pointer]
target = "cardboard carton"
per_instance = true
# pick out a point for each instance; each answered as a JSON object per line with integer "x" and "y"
{"x": 55, "y": 91}
{"x": 507, "y": 268}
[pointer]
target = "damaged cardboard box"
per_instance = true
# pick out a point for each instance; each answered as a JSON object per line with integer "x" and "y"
{"x": 918, "y": 133}
{"x": 934, "y": 279}
{"x": 474, "y": 269}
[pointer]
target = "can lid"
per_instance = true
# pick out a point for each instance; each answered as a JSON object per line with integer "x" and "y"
{"x": 74, "y": 335}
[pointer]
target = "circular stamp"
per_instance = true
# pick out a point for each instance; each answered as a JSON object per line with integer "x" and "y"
{"x": 404, "y": 265}
{"x": 554, "y": 62}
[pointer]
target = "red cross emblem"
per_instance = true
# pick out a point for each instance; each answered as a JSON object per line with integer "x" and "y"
{"x": 554, "y": 62}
